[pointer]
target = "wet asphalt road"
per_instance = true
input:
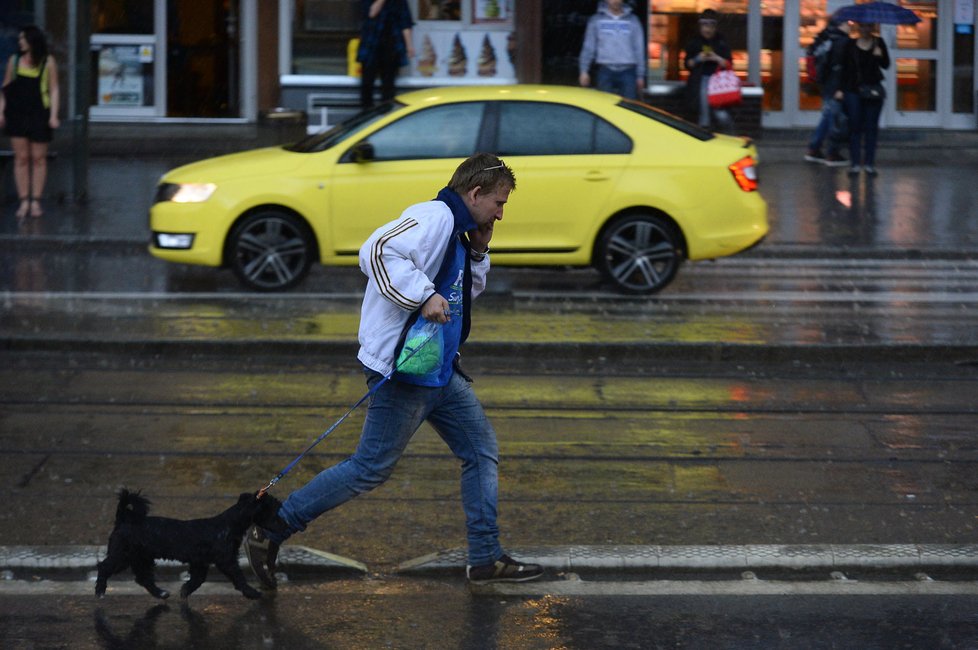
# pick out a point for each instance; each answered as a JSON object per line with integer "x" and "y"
{"x": 816, "y": 390}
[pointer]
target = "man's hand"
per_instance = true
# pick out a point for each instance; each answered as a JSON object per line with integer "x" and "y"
{"x": 480, "y": 237}
{"x": 436, "y": 309}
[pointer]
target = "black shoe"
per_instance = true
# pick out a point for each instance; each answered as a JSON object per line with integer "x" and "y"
{"x": 505, "y": 569}
{"x": 835, "y": 160}
{"x": 262, "y": 553}
{"x": 815, "y": 156}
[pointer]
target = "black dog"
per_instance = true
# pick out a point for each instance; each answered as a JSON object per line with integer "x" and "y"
{"x": 138, "y": 539}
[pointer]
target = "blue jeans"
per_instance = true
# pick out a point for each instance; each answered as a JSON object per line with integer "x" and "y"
{"x": 622, "y": 82}
{"x": 864, "y": 126}
{"x": 721, "y": 115}
{"x": 394, "y": 413}
{"x": 829, "y": 107}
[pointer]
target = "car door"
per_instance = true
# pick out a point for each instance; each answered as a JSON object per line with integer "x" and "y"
{"x": 413, "y": 158}
{"x": 567, "y": 162}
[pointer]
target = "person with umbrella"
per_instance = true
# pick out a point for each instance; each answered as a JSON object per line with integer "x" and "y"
{"x": 862, "y": 90}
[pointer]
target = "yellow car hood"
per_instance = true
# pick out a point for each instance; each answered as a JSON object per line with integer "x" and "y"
{"x": 256, "y": 162}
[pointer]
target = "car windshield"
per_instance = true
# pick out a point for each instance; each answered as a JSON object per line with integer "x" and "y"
{"x": 326, "y": 139}
{"x": 667, "y": 118}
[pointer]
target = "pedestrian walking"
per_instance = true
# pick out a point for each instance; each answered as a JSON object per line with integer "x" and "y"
{"x": 829, "y": 50}
{"x": 386, "y": 46}
{"x": 29, "y": 114}
{"x": 706, "y": 53}
{"x": 864, "y": 60}
{"x": 424, "y": 268}
{"x": 614, "y": 44}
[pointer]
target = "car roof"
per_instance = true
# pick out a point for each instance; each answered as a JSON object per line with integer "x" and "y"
{"x": 517, "y": 92}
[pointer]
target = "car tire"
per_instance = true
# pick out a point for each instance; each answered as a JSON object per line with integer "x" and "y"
{"x": 639, "y": 253}
{"x": 270, "y": 250}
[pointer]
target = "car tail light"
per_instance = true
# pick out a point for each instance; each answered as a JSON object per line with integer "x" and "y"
{"x": 745, "y": 173}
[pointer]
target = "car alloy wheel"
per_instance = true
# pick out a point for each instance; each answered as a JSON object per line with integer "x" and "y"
{"x": 639, "y": 253}
{"x": 270, "y": 250}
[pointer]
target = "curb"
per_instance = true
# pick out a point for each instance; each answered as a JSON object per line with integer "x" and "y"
{"x": 301, "y": 559}
{"x": 86, "y": 558}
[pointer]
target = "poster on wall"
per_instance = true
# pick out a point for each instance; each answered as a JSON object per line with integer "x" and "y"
{"x": 489, "y": 11}
{"x": 120, "y": 76}
{"x": 472, "y": 54}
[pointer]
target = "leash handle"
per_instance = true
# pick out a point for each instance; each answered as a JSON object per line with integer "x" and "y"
{"x": 288, "y": 468}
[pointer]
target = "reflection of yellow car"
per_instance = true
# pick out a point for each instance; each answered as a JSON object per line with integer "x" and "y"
{"x": 601, "y": 181}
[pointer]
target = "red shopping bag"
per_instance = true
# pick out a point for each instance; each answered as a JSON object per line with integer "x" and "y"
{"x": 723, "y": 89}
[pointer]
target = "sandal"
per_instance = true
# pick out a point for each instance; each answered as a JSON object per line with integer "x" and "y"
{"x": 25, "y": 204}
{"x": 36, "y": 210}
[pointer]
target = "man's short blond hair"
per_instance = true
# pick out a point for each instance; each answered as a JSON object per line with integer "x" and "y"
{"x": 483, "y": 170}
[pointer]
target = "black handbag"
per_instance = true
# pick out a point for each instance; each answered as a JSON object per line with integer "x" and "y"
{"x": 872, "y": 92}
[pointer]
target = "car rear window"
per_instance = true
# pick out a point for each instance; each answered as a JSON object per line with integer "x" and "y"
{"x": 547, "y": 129}
{"x": 668, "y": 119}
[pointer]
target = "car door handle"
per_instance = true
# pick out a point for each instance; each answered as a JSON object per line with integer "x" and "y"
{"x": 596, "y": 176}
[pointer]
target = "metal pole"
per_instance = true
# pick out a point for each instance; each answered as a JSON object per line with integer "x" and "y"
{"x": 80, "y": 37}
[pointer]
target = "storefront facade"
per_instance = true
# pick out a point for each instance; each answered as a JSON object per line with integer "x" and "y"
{"x": 230, "y": 60}
{"x": 931, "y": 83}
{"x": 456, "y": 42}
{"x": 161, "y": 59}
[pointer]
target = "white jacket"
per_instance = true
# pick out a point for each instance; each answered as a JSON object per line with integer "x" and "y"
{"x": 401, "y": 260}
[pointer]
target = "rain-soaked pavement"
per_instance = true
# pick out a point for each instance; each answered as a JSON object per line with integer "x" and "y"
{"x": 816, "y": 390}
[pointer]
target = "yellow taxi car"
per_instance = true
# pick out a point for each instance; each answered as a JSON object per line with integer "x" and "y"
{"x": 601, "y": 181}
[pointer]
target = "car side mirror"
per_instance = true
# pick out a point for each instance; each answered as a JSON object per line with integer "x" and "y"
{"x": 363, "y": 152}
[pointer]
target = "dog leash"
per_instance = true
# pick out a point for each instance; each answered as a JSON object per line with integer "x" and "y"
{"x": 366, "y": 396}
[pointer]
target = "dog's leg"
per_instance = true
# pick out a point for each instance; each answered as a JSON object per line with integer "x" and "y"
{"x": 143, "y": 570}
{"x": 198, "y": 573}
{"x": 232, "y": 570}
{"x": 111, "y": 565}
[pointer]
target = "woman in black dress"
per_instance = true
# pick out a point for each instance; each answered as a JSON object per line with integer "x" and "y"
{"x": 29, "y": 114}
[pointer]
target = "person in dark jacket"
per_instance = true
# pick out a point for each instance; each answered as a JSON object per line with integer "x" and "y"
{"x": 830, "y": 80}
{"x": 385, "y": 46}
{"x": 863, "y": 63}
{"x": 706, "y": 53}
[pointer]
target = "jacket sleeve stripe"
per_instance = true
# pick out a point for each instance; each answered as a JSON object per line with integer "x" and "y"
{"x": 380, "y": 271}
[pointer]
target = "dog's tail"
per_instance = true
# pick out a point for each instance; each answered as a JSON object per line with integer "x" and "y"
{"x": 132, "y": 508}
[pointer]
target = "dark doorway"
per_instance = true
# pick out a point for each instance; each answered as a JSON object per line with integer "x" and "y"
{"x": 203, "y": 71}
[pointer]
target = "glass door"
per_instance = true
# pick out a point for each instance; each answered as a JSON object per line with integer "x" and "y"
{"x": 914, "y": 78}
{"x": 129, "y": 71}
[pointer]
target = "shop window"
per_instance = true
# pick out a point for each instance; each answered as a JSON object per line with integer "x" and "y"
{"x": 536, "y": 129}
{"x": 672, "y": 23}
{"x": 441, "y": 132}
{"x": 321, "y": 35}
{"x": 439, "y": 10}
{"x": 122, "y": 17}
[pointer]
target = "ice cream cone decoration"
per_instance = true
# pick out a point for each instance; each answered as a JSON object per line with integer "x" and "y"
{"x": 457, "y": 62}
{"x": 487, "y": 59}
{"x": 428, "y": 60}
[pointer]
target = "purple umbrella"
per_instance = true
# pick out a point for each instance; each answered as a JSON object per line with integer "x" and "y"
{"x": 877, "y": 12}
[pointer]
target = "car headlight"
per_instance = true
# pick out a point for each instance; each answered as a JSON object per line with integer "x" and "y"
{"x": 184, "y": 192}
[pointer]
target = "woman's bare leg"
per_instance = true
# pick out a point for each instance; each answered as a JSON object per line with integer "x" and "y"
{"x": 22, "y": 173}
{"x": 39, "y": 165}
